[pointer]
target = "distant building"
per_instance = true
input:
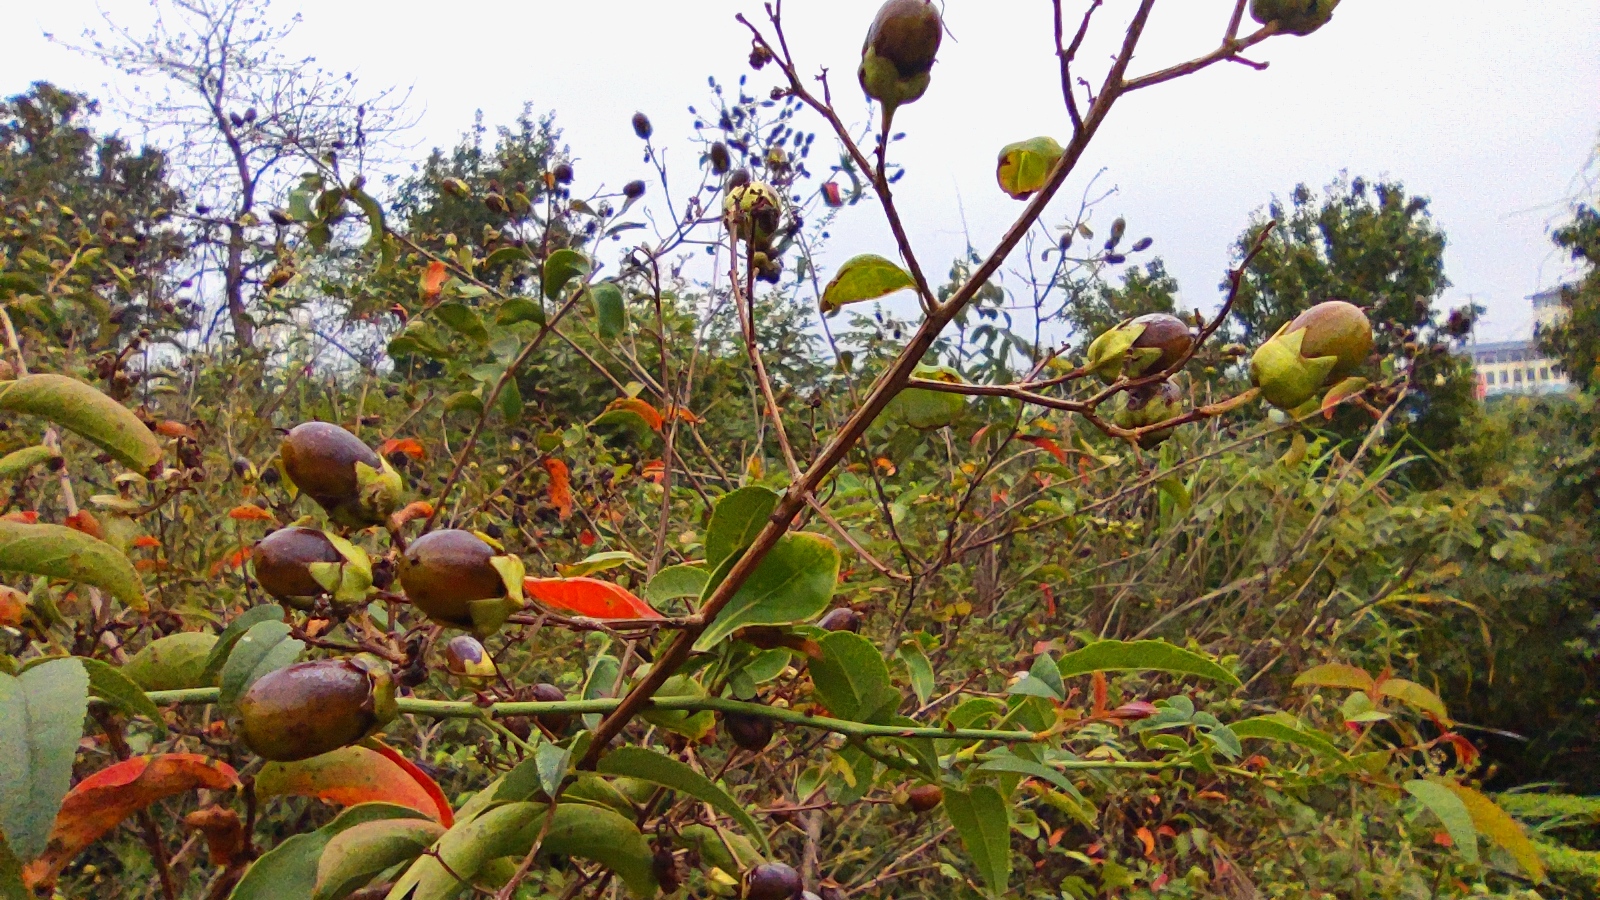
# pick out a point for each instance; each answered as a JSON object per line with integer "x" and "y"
{"x": 1519, "y": 367}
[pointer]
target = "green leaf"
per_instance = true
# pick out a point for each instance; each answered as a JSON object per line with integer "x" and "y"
{"x": 174, "y": 662}
{"x": 1335, "y": 675}
{"x": 1010, "y": 762}
{"x": 610, "y": 313}
{"x": 864, "y": 277}
{"x": 561, "y": 267}
{"x": 1498, "y": 826}
{"x": 463, "y": 320}
{"x": 55, "y": 551}
{"x": 519, "y": 309}
{"x": 109, "y": 684}
{"x": 243, "y": 622}
{"x": 647, "y": 765}
{"x": 418, "y": 338}
{"x": 980, "y": 817}
{"x": 793, "y": 583}
{"x": 735, "y": 521}
{"x": 920, "y": 669}
{"x": 924, "y": 409}
{"x": 1141, "y": 656}
{"x": 18, "y": 462}
{"x": 693, "y": 725}
{"x": 362, "y": 852}
{"x": 598, "y": 562}
{"x": 80, "y": 408}
{"x": 676, "y": 582}
{"x": 852, "y": 680}
{"x": 374, "y": 214}
{"x": 1025, "y": 166}
{"x": 1043, "y": 680}
{"x": 506, "y": 255}
{"x": 290, "y": 869}
{"x": 266, "y": 647}
{"x": 1444, "y": 804}
{"x": 41, "y": 720}
{"x": 599, "y": 834}
{"x": 1270, "y": 728}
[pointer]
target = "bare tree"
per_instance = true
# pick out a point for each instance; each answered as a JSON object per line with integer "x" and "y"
{"x": 243, "y": 120}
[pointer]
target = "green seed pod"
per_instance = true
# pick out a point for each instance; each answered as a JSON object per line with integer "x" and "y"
{"x": 444, "y": 572}
{"x": 311, "y": 708}
{"x": 1300, "y": 17}
{"x": 753, "y": 211}
{"x": 465, "y": 658}
{"x": 897, "y": 57}
{"x": 1148, "y": 405}
{"x": 1323, "y": 345}
{"x": 354, "y": 485}
{"x": 282, "y": 560}
{"x": 1138, "y": 347}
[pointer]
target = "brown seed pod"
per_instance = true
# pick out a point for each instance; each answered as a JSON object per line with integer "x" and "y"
{"x": 641, "y": 126}
{"x": 1335, "y": 328}
{"x": 311, "y": 708}
{"x": 842, "y": 619}
{"x": 321, "y": 459}
{"x": 282, "y": 562}
{"x": 772, "y": 881}
{"x": 924, "y": 797}
{"x": 1166, "y": 333}
{"x": 752, "y": 733}
{"x": 443, "y": 571}
{"x": 555, "y": 723}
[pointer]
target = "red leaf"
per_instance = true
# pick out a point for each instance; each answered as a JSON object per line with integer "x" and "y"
{"x": 416, "y": 509}
{"x": 1137, "y": 709}
{"x": 560, "y": 486}
{"x": 223, "y": 831}
{"x": 433, "y": 281}
{"x": 1444, "y": 839}
{"x": 13, "y": 606}
{"x": 1049, "y": 599}
{"x": 642, "y": 409}
{"x": 586, "y": 538}
{"x": 249, "y": 512}
{"x": 446, "y": 816}
{"x": 1465, "y": 750}
{"x": 100, "y": 802}
{"x": 232, "y": 561}
{"x": 409, "y": 446}
{"x": 352, "y": 775}
{"x": 1098, "y": 680}
{"x": 653, "y": 471}
{"x": 831, "y": 195}
{"x": 588, "y": 597}
{"x": 145, "y": 540}
{"x": 169, "y": 428}
{"x": 28, "y": 517}
{"x": 84, "y": 521}
{"x": 1047, "y": 445}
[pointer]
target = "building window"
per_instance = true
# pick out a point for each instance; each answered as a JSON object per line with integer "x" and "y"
{"x": 1517, "y": 376}
{"x": 1544, "y": 374}
{"x": 1502, "y": 376}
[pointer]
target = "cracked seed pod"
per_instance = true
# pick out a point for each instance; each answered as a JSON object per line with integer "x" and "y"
{"x": 456, "y": 578}
{"x": 1139, "y": 347}
{"x": 311, "y": 708}
{"x": 772, "y": 881}
{"x": 282, "y": 564}
{"x": 1148, "y": 405}
{"x": 753, "y": 211}
{"x": 897, "y": 57}
{"x": 354, "y": 485}
{"x": 465, "y": 658}
{"x": 1323, "y": 345}
{"x": 1300, "y": 17}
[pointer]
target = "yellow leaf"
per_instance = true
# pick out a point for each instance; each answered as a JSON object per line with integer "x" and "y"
{"x": 1498, "y": 825}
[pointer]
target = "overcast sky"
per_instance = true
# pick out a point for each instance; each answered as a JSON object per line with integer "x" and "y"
{"x": 1490, "y": 108}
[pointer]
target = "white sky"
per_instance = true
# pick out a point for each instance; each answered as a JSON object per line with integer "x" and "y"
{"x": 1490, "y": 112}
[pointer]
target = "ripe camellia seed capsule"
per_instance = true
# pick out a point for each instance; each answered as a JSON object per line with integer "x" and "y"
{"x": 842, "y": 619}
{"x": 311, "y": 708}
{"x": 1148, "y": 405}
{"x": 1299, "y": 17}
{"x": 924, "y": 797}
{"x": 772, "y": 881}
{"x": 444, "y": 572}
{"x": 466, "y": 659}
{"x": 282, "y": 560}
{"x": 1139, "y": 347}
{"x": 344, "y": 476}
{"x": 752, "y": 733}
{"x": 1323, "y": 345}
{"x": 898, "y": 55}
{"x": 753, "y": 211}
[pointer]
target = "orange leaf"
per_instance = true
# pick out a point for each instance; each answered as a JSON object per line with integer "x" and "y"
{"x": 223, "y": 831}
{"x": 352, "y": 775}
{"x": 145, "y": 540}
{"x": 433, "y": 281}
{"x": 446, "y": 816}
{"x": 560, "y": 486}
{"x": 885, "y": 465}
{"x": 1098, "y": 680}
{"x": 155, "y": 565}
{"x": 98, "y": 803}
{"x": 588, "y": 597}
{"x": 634, "y": 405}
{"x": 416, "y": 509}
{"x": 249, "y": 512}
{"x": 232, "y": 561}
{"x": 169, "y": 428}
{"x": 84, "y": 521}
{"x": 1148, "y": 840}
{"x": 684, "y": 414}
{"x": 13, "y": 606}
{"x": 1047, "y": 445}
{"x": 409, "y": 446}
{"x": 27, "y": 518}
{"x": 586, "y": 538}
{"x": 653, "y": 471}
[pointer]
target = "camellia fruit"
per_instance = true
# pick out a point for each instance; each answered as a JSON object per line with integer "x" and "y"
{"x": 282, "y": 564}
{"x": 842, "y": 619}
{"x": 1138, "y": 347}
{"x": 751, "y": 733}
{"x": 1146, "y": 405}
{"x": 1300, "y": 17}
{"x": 456, "y": 578}
{"x": 311, "y": 708}
{"x": 897, "y": 58}
{"x": 924, "y": 797}
{"x": 1323, "y": 345}
{"x": 772, "y": 881}
{"x": 753, "y": 211}
{"x": 465, "y": 658}
{"x": 351, "y": 482}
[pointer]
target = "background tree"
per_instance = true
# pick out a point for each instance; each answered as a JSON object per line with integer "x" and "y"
{"x": 1576, "y": 339}
{"x": 241, "y": 120}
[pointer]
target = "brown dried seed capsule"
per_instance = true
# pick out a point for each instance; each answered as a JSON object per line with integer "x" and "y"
{"x": 282, "y": 562}
{"x": 641, "y": 126}
{"x": 443, "y": 571}
{"x": 555, "y": 723}
{"x": 752, "y": 733}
